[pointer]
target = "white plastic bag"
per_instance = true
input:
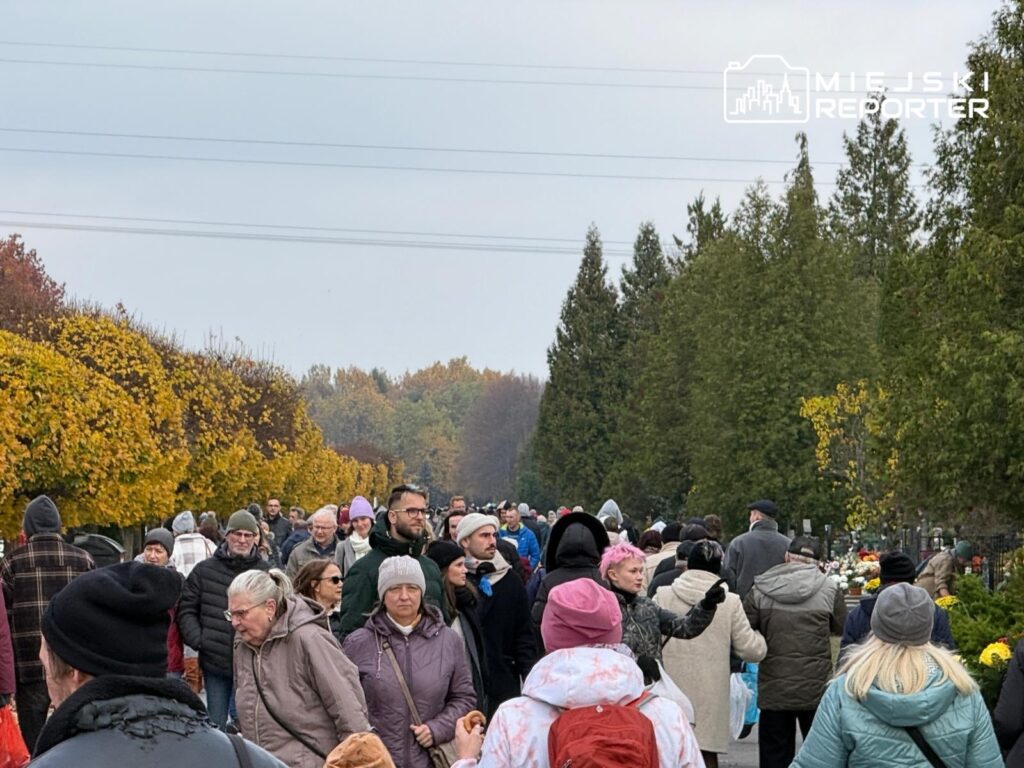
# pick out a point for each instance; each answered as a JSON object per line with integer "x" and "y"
{"x": 667, "y": 689}
{"x": 739, "y": 700}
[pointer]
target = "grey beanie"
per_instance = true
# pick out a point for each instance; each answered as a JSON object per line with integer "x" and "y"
{"x": 184, "y": 522}
{"x": 41, "y": 516}
{"x": 160, "y": 536}
{"x": 473, "y": 522}
{"x": 903, "y": 615}
{"x": 395, "y": 571}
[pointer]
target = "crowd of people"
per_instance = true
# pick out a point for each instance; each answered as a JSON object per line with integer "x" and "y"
{"x": 495, "y": 637}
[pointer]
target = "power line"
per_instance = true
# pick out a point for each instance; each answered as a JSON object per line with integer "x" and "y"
{"x": 413, "y": 78}
{"x": 358, "y": 76}
{"x": 409, "y": 148}
{"x": 389, "y": 232}
{"x": 414, "y": 62}
{"x": 373, "y": 167}
{"x": 319, "y": 240}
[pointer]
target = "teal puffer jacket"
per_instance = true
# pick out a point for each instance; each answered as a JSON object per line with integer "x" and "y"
{"x": 868, "y": 734}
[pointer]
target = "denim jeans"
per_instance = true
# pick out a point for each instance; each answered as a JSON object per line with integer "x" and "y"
{"x": 220, "y": 697}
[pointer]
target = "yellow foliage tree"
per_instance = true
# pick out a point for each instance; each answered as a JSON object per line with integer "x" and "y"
{"x": 847, "y": 450}
{"x": 126, "y": 357}
{"x": 72, "y": 433}
{"x": 225, "y": 463}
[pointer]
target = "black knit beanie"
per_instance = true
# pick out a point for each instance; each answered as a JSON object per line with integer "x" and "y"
{"x": 41, "y": 516}
{"x": 444, "y": 553}
{"x": 114, "y": 620}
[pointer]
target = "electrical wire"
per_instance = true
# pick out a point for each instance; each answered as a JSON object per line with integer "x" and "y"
{"x": 414, "y": 62}
{"x": 319, "y": 240}
{"x": 375, "y": 167}
{"x": 408, "y": 148}
{"x": 304, "y": 228}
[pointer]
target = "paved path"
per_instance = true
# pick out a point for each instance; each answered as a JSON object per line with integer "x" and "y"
{"x": 741, "y": 754}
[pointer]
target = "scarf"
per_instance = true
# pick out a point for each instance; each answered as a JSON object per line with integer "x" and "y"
{"x": 360, "y": 546}
{"x": 628, "y": 597}
{"x": 490, "y": 572}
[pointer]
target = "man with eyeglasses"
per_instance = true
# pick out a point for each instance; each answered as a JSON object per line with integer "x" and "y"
{"x": 321, "y": 543}
{"x": 203, "y": 602}
{"x": 402, "y": 531}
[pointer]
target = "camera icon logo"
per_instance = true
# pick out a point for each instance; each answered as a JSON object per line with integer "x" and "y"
{"x": 766, "y": 89}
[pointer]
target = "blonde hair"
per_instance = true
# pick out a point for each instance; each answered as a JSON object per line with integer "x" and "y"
{"x": 902, "y": 669}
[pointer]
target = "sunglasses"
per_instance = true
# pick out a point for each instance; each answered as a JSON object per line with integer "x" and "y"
{"x": 332, "y": 579}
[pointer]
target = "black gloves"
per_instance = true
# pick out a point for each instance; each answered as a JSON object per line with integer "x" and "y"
{"x": 649, "y": 667}
{"x": 713, "y": 596}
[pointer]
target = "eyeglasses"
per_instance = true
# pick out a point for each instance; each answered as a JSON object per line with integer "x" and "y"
{"x": 324, "y": 527}
{"x": 238, "y": 613}
{"x": 332, "y": 579}
{"x": 242, "y": 534}
{"x": 414, "y": 511}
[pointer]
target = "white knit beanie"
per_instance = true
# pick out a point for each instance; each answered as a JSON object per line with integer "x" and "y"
{"x": 395, "y": 571}
{"x": 473, "y": 522}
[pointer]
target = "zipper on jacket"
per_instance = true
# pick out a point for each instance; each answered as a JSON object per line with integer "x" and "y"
{"x": 256, "y": 672}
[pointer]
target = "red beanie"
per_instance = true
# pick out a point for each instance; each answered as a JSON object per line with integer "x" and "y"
{"x": 581, "y": 612}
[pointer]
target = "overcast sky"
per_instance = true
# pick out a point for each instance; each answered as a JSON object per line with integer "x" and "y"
{"x": 402, "y": 306}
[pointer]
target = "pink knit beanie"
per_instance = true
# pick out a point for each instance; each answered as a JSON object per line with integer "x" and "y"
{"x": 581, "y": 612}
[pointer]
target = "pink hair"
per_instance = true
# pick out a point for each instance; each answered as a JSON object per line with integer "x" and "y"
{"x": 619, "y": 553}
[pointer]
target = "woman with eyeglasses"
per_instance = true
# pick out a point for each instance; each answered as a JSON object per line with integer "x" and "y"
{"x": 320, "y": 581}
{"x": 297, "y": 694}
{"x": 405, "y": 652}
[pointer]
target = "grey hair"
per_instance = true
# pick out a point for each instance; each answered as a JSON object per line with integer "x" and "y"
{"x": 325, "y": 513}
{"x": 261, "y": 586}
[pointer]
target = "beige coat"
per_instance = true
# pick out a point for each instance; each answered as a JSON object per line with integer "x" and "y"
{"x": 701, "y": 666}
{"x": 939, "y": 573}
{"x": 668, "y": 549}
{"x": 308, "y": 682}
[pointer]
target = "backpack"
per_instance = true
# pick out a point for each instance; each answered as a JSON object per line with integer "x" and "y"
{"x": 603, "y": 736}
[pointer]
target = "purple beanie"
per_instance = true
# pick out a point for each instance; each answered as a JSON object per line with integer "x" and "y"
{"x": 581, "y": 612}
{"x": 360, "y": 507}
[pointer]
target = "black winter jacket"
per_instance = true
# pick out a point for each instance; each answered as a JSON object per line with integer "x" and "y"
{"x": 203, "y": 602}
{"x": 130, "y": 721}
{"x": 509, "y": 644}
{"x": 1008, "y": 717}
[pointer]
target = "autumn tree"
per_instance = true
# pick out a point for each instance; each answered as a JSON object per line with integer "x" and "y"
{"x": 27, "y": 293}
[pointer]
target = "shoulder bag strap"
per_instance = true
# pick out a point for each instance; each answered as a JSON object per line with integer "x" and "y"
{"x": 241, "y": 752}
{"x": 401, "y": 681}
{"x": 297, "y": 736}
{"x": 924, "y": 746}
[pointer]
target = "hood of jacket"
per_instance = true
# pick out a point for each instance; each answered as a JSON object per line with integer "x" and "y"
{"x": 380, "y": 538}
{"x": 583, "y": 677}
{"x": 298, "y": 612}
{"x": 610, "y": 508}
{"x": 237, "y": 564}
{"x": 587, "y": 539}
{"x": 691, "y": 586}
{"x": 41, "y": 516}
{"x": 791, "y": 582}
{"x": 900, "y": 709}
{"x": 119, "y": 701}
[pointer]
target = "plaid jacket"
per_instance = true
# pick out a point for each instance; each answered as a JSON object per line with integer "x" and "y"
{"x": 31, "y": 575}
